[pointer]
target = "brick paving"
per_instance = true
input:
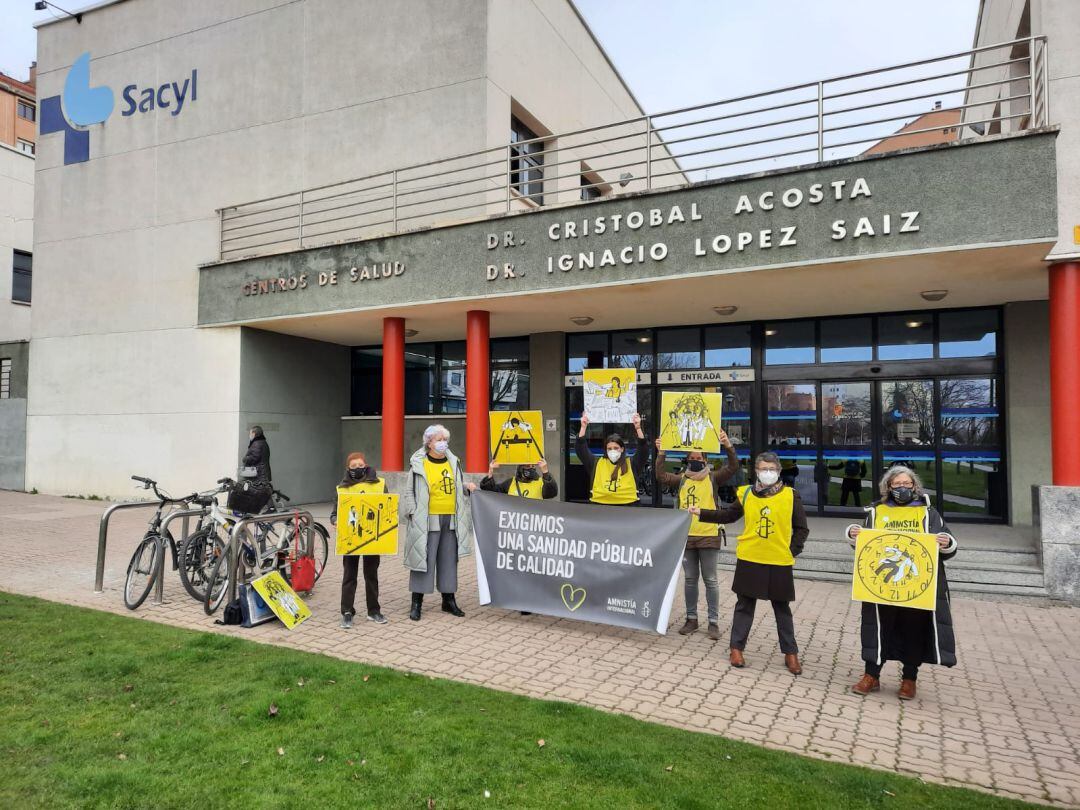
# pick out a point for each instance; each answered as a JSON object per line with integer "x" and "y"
{"x": 1005, "y": 720}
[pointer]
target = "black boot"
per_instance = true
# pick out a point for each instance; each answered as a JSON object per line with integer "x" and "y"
{"x": 449, "y": 605}
{"x": 417, "y": 603}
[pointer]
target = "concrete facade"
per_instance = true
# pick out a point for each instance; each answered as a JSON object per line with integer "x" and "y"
{"x": 16, "y": 233}
{"x": 13, "y": 417}
{"x": 287, "y": 114}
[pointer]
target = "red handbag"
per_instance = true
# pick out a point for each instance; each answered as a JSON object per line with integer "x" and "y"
{"x": 301, "y": 568}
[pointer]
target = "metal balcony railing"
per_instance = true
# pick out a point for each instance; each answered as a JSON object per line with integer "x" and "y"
{"x": 986, "y": 91}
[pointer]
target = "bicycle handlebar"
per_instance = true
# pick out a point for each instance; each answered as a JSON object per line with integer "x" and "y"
{"x": 278, "y": 493}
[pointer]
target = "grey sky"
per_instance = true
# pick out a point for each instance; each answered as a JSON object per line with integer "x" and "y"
{"x": 678, "y": 52}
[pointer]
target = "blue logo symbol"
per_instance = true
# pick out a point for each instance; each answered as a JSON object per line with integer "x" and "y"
{"x": 82, "y": 105}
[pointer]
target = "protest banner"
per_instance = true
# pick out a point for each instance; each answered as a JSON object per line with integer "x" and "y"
{"x": 282, "y": 599}
{"x": 607, "y": 564}
{"x": 516, "y": 437}
{"x": 367, "y": 523}
{"x": 690, "y": 420}
{"x": 896, "y": 568}
{"x": 610, "y": 394}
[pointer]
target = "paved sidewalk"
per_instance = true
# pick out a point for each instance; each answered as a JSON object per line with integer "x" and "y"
{"x": 1007, "y": 719}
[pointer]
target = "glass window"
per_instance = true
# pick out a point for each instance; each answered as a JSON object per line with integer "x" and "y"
{"x": 419, "y": 378}
{"x": 21, "y": 275}
{"x": 907, "y": 412}
{"x": 632, "y": 349}
{"x": 923, "y": 462}
{"x": 526, "y": 162}
{"x": 906, "y": 337}
{"x": 789, "y": 343}
{"x": 969, "y": 412}
{"x": 586, "y": 351}
{"x": 366, "y": 382}
{"x": 26, "y": 110}
{"x": 845, "y": 340}
{"x": 26, "y": 147}
{"x": 509, "y": 389}
{"x": 845, "y": 414}
{"x": 792, "y": 414}
{"x": 968, "y": 334}
{"x": 973, "y": 483}
{"x": 727, "y": 346}
{"x": 452, "y": 377}
{"x": 589, "y": 191}
{"x": 678, "y": 348}
{"x": 509, "y": 351}
{"x": 5, "y": 378}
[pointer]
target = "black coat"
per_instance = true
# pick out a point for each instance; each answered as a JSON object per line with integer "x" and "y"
{"x": 549, "y": 490}
{"x": 891, "y": 633}
{"x": 258, "y": 456}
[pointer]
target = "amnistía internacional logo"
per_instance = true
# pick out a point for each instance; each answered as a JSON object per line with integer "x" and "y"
{"x": 82, "y": 106}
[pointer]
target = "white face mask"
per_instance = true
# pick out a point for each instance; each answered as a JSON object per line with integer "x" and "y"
{"x": 768, "y": 477}
{"x": 441, "y": 446}
{"x": 614, "y": 455}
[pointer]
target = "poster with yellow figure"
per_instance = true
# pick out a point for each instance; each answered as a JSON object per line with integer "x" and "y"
{"x": 610, "y": 394}
{"x": 690, "y": 421}
{"x": 516, "y": 437}
{"x": 896, "y": 568}
{"x": 282, "y": 599}
{"x": 367, "y": 524}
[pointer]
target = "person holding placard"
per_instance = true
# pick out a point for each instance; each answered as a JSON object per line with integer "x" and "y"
{"x": 439, "y": 522}
{"x": 774, "y": 532}
{"x": 697, "y": 486}
{"x": 893, "y": 633}
{"x": 359, "y": 478}
{"x": 529, "y": 481}
{"x": 614, "y": 477}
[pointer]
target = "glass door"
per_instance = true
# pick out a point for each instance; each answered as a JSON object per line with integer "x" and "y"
{"x": 845, "y": 472}
{"x": 792, "y": 433}
{"x": 909, "y": 429}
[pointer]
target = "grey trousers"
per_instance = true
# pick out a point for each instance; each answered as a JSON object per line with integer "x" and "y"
{"x": 442, "y": 560}
{"x": 701, "y": 560}
{"x": 744, "y": 619}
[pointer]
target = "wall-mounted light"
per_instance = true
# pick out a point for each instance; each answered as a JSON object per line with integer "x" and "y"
{"x": 625, "y": 178}
{"x": 411, "y": 333}
{"x": 581, "y": 320}
{"x": 914, "y": 324}
{"x": 725, "y": 311}
{"x": 770, "y": 332}
{"x": 933, "y": 295}
{"x": 643, "y": 339}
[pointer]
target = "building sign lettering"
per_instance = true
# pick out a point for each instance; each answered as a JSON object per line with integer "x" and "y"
{"x": 301, "y": 281}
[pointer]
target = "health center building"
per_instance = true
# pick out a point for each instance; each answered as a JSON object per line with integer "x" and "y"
{"x": 344, "y": 221}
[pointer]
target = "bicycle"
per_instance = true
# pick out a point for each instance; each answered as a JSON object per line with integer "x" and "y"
{"x": 148, "y": 560}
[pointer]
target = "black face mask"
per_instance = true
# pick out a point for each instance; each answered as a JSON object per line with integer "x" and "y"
{"x": 357, "y": 473}
{"x": 528, "y": 474}
{"x": 695, "y": 465}
{"x": 902, "y": 495}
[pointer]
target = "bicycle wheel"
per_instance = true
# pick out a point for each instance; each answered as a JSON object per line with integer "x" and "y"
{"x": 217, "y": 584}
{"x": 198, "y": 554}
{"x": 320, "y": 546}
{"x": 142, "y": 571}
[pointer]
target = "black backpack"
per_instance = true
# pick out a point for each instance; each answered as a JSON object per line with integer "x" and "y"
{"x": 232, "y": 615}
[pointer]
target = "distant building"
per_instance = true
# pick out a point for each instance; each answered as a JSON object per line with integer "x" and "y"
{"x": 937, "y": 126}
{"x": 18, "y": 111}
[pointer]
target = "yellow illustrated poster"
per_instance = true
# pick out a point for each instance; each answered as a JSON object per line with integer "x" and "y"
{"x": 896, "y": 568}
{"x": 282, "y": 599}
{"x": 367, "y": 524}
{"x": 517, "y": 437}
{"x": 690, "y": 421}
{"x": 610, "y": 394}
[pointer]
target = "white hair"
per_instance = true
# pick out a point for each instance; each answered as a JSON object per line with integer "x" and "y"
{"x": 895, "y": 470}
{"x": 433, "y": 431}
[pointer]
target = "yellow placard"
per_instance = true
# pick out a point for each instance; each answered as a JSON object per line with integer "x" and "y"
{"x": 367, "y": 524}
{"x": 282, "y": 599}
{"x": 690, "y": 421}
{"x": 610, "y": 394}
{"x": 517, "y": 437}
{"x": 896, "y": 568}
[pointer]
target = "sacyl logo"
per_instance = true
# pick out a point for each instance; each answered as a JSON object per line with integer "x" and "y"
{"x": 81, "y": 106}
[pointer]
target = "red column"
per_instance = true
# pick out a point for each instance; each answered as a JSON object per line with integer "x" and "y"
{"x": 1065, "y": 372}
{"x": 477, "y": 393}
{"x": 393, "y": 395}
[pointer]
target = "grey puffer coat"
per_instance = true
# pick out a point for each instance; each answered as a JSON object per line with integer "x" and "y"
{"x": 416, "y": 519}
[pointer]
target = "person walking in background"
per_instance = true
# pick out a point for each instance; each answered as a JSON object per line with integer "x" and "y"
{"x": 697, "y": 486}
{"x": 439, "y": 524}
{"x": 613, "y": 477}
{"x": 359, "y": 478}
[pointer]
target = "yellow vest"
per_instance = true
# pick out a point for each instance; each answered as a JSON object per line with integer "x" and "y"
{"x": 766, "y": 536}
{"x": 442, "y": 488}
{"x": 901, "y": 518}
{"x": 622, "y": 490}
{"x": 527, "y": 489}
{"x": 699, "y": 493}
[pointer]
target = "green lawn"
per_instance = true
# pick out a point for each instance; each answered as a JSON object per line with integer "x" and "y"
{"x": 101, "y": 710}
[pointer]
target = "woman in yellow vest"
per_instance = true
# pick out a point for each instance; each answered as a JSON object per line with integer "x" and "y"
{"x": 774, "y": 531}
{"x": 529, "y": 481}
{"x": 613, "y": 477}
{"x": 359, "y": 478}
{"x": 697, "y": 486}
{"x": 893, "y": 633}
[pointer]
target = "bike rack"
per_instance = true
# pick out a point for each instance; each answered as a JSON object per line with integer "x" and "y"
{"x": 103, "y": 533}
{"x": 242, "y": 525}
{"x": 159, "y": 586}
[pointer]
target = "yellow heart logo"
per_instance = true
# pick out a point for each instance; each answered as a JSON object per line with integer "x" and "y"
{"x": 572, "y": 597}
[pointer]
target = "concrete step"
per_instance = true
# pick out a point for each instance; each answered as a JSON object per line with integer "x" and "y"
{"x": 1012, "y": 592}
{"x": 1020, "y": 553}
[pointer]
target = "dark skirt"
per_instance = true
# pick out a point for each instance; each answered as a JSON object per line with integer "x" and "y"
{"x": 760, "y": 581}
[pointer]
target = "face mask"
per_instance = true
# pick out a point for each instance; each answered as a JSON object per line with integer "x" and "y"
{"x": 614, "y": 456}
{"x": 695, "y": 465}
{"x": 528, "y": 474}
{"x": 768, "y": 477}
{"x": 441, "y": 446}
{"x": 356, "y": 473}
{"x": 902, "y": 494}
